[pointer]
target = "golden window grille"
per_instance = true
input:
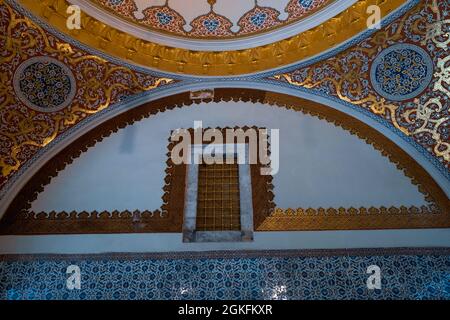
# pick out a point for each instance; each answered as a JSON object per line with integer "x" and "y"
{"x": 218, "y": 205}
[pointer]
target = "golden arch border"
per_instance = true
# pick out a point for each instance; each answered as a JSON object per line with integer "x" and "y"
{"x": 105, "y": 38}
{"x": 278, "y": 220}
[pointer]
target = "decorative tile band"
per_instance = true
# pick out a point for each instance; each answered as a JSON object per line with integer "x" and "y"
{"x": 405, "y": 274}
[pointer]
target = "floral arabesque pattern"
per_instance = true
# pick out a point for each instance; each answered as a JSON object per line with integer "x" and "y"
{"x": 239, "y": 278}
{"x": 99, "y": 84}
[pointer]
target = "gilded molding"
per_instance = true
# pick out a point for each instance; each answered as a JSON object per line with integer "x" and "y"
{"x": 435, "y": 215}
{"x": 32, "y": 223}
{"x": 124, "y": 46}
{"x": 353, "y": 219}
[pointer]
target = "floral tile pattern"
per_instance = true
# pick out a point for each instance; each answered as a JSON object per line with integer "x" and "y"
{"x": 44, "y": 84}
{"x": 164, "y": 18}
{"x": 264, "y": 277}
{"x": 211, "y": 25}
{"x": 258, "y": 19}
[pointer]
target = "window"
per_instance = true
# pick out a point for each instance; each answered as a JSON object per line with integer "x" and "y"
{"x": 218, "y": 202}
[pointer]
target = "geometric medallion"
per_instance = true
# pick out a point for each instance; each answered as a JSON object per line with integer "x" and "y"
{"x": 401, "y": 72}
{"x": 44, "y": 84}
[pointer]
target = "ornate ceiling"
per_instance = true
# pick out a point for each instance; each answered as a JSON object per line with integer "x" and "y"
{"x": 336, "y": 23}
{"x": 57, "y": 84}
{"x": 212, "y": 19}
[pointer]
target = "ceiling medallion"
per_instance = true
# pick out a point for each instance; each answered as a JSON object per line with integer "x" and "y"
{"x": 44, "y": 84}
{"x": 401, "y": 72}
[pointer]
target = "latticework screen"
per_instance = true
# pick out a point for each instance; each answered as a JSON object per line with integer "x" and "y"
{"x": 218, "y": 207}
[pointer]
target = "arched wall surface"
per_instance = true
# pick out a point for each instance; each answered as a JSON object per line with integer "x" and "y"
{"x": 63, "y": 141}
{"x": 320, "y": 165}
{"x": 427, "y": 161}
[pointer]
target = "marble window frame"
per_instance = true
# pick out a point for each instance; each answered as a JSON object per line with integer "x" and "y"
{"x": 190, "y": 234}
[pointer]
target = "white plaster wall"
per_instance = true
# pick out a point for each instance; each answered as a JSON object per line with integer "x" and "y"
{"x": 171, "y": 242}
{"x": 320, "y": 165}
